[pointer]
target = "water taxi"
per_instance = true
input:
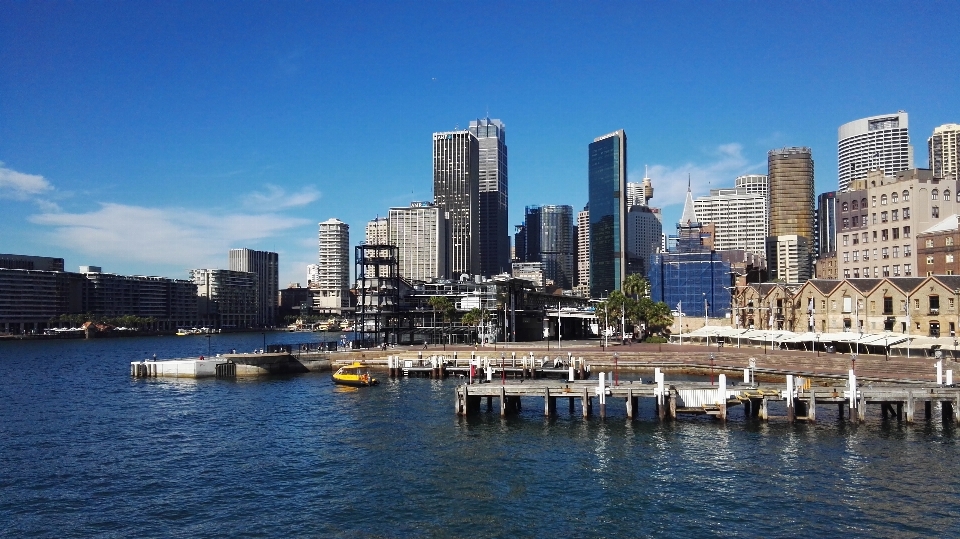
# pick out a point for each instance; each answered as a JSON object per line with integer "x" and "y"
{"x": 357, "y": 375}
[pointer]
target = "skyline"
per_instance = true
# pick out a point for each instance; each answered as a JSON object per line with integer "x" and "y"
{"x": 152, "y": 139}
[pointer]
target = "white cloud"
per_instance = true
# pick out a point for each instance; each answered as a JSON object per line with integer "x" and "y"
{"x": 20, "y": 186}
{"x": 160, "y": 235}
{"x": 276, "y": 198}
{"x": 725, "y": 163}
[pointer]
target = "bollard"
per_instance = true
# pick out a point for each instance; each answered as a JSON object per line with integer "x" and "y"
{"x": 949, "y": 377}
{"x": 746, "y": 376}
{"x": 939, "y": 365}
{"x": 570, "y": 373}
{"x": 791, "y": 412}
{"x": 722, "y": 395}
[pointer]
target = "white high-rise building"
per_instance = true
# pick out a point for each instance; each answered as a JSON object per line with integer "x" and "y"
{"x": 944, "y": 151}
{"x": 583, "y": 252}
{"x": 377, "y": 231}
{"x": 644, "y": 231}
{"x": 738, "y": 216}
{"x": 420, "y": 234}
{"x": 874, "y": 143}
{"x": 333, "y": 281}
{"x": 313, "y": 275}
{"x": 639, "y": 194}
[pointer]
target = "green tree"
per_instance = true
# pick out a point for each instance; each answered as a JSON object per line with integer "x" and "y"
{"x": 635, "y": 285}
{"x": 443, "y": 306}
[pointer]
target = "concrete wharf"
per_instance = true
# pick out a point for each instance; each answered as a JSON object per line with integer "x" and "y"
{"x": 673, "y": 399}
{"x": 232, "y": 365}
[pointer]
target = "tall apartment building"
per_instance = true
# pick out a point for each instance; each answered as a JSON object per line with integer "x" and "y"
{"x": 739, "y": 218}
{"x": 757, "y": 184}
{"x": 267, "y": 267}
{"x": 874, "y": 143}
{"x": 879, "y": 216}
{"x": 377, "y": 231}
{"x": 227, "y": 299}
{"x": 790, "y": 176}
{"x": 31, "y": 298}
{"x": 583, "y": 252}
{"x": 943, "y": 149}
{"x": 332, "y": 288}
{"x": 494, "y": 241}
{"x": 313, "y": 275}
{"x": 419, "y": 231}
{"x": 456, "y": 190}
{"x": 171, "y": 302}
{"x": 557, "y": 245}
{"x": 528, "y": 244}
{"x": 607, "y": 180}
{"x": 644, "y": 234}
{"x": 26, "y": 262}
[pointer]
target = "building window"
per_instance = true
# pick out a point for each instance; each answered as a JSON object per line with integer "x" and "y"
{"x": 885, "y": 253}
{"x": 896, "y": 270}
{"x": 856, "y": 221}
{"x": 844, "y": 207}
{"x": 896, "y": 251}
{"x": 873, "y": 201}
{"x": 934, "y": 304}
{"x": 864, "y": 237}
{"x": 874, "y": 236}
{"x": 846, "y": 256}
{"x": 929, "y": 259}
{"x": 948, "y": 240}
{"x": 883, "y": 217}
{"x": 893, "y": 214}
{"x": 846, "y": 223}
{"x": 906, "y": 196}
{"x": 887, "y": 305}
{"x": 935, "y": 211}
{"x": 949, "y": 258}
{"x": 906, "y": 250}
{"x": 856, "y": 273}
{"x": 856, "y": 256}
{"x": 846, "y": 274}
{"x": 928, "y": 243}
{"x": 896, "y": 233}
{"x": 893, "y": 198}
{"x": 906, "y": 270}
{"x": 906, "y": 232}
{"x": 883, "y": 234}
{"x": 946, "y": 194}
{"x": 886, "y": 271}
{"x": 906, "y": 213}
{"x": 874, "y": 218}
{"x": 846, "y": 238}
{"x": 883, "y": 200}
{"x": 934, "y": 195}
{"x": 854, "y": 205}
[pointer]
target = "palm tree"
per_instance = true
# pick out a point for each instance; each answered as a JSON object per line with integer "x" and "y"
{"x": 445, "y": 307}
{"x": 636, "y": 286}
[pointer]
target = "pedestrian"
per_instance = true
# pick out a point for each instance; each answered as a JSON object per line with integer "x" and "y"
{"x": 154, "y": 357}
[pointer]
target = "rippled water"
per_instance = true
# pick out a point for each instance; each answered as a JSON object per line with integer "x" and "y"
{"x": 85, "y": 450}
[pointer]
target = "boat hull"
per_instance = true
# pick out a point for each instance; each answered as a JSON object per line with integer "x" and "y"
{"x": 355, "y": 383}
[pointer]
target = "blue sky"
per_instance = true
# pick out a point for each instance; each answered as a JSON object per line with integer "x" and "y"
{"x": 152, "y": 137}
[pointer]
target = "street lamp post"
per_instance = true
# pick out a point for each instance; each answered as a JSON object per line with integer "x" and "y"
{"x": 616, "y": 371}
{"x": 818, "y": 344}
{"x": 264, "y": 349}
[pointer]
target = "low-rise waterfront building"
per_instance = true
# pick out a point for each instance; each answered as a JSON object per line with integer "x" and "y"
{"x": 227, "y": 299}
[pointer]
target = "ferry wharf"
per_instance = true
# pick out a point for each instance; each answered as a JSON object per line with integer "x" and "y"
{"x": 798, "y": 395}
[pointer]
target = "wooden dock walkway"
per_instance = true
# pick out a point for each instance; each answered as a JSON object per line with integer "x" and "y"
{"x": 673, "y": 399}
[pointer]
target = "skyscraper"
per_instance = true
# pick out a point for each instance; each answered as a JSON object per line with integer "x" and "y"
{"x": 826, "y": 224}
{"x": 790, "y": 174}
{"x": 531, "y": 234}
{"x": 456, "y": 190}
{"x": 944, "y": 150}
{"x": 494, "y": 240}
{"x": 419, "y": 232}
{"x": 333, "y": 282}
{"x": 266, "y": 266}
{"x": 583, "y": 252}
{"x": 739, "y": 218}
{"x": 556, "y": 244}
{"x": 639, "y": 193}
{"x": 877, "y": 142}
{"x": 607, "y": 175}
{"x": 377, "y": 231}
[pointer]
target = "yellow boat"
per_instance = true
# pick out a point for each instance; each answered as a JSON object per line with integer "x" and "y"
{"x": 357, "y": 375}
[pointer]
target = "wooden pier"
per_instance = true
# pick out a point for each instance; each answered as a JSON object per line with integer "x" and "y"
{"x": 489, "y": 369}
{"x": 900, "y": 401}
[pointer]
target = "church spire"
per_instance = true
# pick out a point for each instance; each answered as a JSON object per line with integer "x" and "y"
{"x": 688, "y": 217}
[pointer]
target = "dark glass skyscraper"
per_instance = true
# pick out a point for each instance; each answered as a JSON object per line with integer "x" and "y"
{"x": 494, "y": 238}
{"x": 826, "y": 224}
{"x": 456, "y": 156}
{"x": 607, "y": 169}
{"x": 556, "y": 244}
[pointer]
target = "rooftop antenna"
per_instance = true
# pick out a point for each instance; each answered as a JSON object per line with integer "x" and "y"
{"x": 645, "y": 172}
{"x": 688, "y": 181}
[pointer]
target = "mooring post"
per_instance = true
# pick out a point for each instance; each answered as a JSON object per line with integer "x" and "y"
{"x": 489, "y": 403}
{"x": 570, "y": 404}
{"x": 861, "y": 409}
{"x": 791, "y": 412}
{"x": 763, "y": 409}
{"x": 812, "y": 408}
{"x": 909, "y": 406}
{"x": 602, "y": 393}
{"x": 939, "y": 366}
{"x": 927, "y": 409}
{"x": 630, "y": 403}
{"x": 503, "y": 401}
{"x": 461, "y": 400}
{"x": 546, "y": 402}
{"x": 722, "y": 395}
{"x": 585, "y": 403}
{"x": 852, "y": 386}
{"x": 956, "y": 410}
{"x": 673, "y": 404}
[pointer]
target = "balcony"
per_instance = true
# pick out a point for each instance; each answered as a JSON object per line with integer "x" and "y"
{"x": 934, "y": 311}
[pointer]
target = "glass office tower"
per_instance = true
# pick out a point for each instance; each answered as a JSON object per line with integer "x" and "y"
{"x": 607, "y": 169}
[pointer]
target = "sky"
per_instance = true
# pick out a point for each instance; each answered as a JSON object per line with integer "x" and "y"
{"x": 151, "y": 137}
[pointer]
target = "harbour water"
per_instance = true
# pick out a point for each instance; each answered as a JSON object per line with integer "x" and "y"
{"x": 86, "y": 450}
